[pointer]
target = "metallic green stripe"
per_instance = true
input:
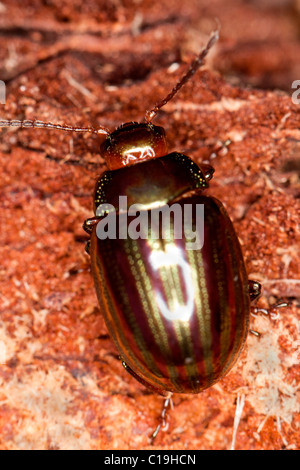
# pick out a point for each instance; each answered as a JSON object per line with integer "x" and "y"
{"x": 242, "y": 301}
{"x": 112, "y": 316}
{"x": 172, "y": 285}
{"x": 106, "y": 302}
{"x": 136, "y": 265}
{"x": 145, "y": 289}
{"x": 220, "y": 270}
{"x": 203, "y": 310}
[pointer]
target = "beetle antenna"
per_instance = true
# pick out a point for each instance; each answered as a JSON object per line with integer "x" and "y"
{"x": 49, "y": 125}
{"x": 195, "y": 65}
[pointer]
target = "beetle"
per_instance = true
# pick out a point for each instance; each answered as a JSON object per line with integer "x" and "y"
{"x": 178, "y": 317}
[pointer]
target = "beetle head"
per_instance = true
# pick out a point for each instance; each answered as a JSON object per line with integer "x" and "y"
{"x": 132, "y": 143}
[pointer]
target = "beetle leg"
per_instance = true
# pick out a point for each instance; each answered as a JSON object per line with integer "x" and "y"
{"x": 163, "y": 425}
{"x": 89, "y": 224}
{"x": 254, "y": 290}
{"x": 270, "y": 310}
{"x": 88, "y": 247}
{"x": 255, "y": 333}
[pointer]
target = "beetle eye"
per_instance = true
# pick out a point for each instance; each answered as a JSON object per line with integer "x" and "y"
{"x": 132, "y": 143}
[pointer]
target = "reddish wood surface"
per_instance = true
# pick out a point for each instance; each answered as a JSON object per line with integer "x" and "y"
{"x": 61, "y": 384}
